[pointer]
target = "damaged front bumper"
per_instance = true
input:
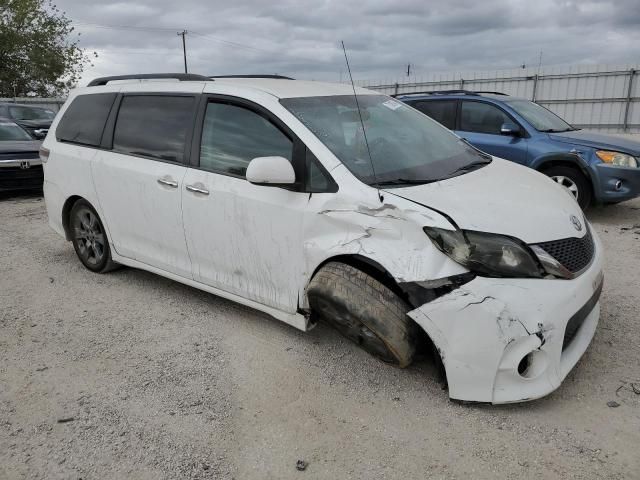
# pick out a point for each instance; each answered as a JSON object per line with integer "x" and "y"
{"x": 509, "y": 340}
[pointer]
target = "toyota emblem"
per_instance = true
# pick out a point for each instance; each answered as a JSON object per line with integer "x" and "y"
{"x": 576, "y": 222}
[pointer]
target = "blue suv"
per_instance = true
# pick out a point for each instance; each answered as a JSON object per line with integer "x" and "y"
{"x": 595, "y": 168}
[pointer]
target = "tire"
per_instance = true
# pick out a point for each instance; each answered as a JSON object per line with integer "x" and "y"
{"x": 575, "y": 181}
{"x": 365, "y": 311}
{"x": 89, "y": 238}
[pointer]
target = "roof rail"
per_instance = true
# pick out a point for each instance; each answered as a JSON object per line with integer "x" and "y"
{"x": 491, "y": 93}
{"x": 278, "y": 77}
{"x": 450, "y": 92}
{"x": 183, "y": 77}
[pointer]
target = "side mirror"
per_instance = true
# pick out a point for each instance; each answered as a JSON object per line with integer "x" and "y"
{"x": 272, "y": 171}
{"x": 510, "y": 129}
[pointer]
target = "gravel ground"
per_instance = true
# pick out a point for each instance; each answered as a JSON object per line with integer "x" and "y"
{"x": 130, "y": 375}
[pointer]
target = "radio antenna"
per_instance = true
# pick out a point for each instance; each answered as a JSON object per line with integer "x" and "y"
{"x": 364, "y": 132}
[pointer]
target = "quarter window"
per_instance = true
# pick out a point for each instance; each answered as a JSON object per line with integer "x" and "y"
{"x": 442, "y": 111}
{"x": 482, "y": 118}
{"x": 232, "y": 136}
{"x": 154, "y": 126}
{"x": 84, "y": 120}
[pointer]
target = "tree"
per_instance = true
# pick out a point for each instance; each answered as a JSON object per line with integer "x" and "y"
{"x": 38, "y": 54}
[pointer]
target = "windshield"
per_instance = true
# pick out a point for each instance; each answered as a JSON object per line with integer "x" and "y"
{"x": 406, "y": 146}
{"x": 539, "y": 117}
{"x": 12, "y": 132}
{"x": 30, "y": 113}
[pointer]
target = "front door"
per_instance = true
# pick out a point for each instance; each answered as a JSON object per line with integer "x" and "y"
{"x": 480, "y": 123}
{"x": 244, "y": 239}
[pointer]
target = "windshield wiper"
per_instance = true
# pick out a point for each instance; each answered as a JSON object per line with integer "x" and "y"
{"x": 404, "y": 181}
{"x": 470, "y": 167}
{"x": 555, "y": 130}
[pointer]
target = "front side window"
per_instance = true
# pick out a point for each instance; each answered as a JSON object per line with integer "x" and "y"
{"x": 402, "y": 145}
{"x": 481, "y": 117}
{"x": 539, "y": 117}
{"x": 31, "y": 113}
{"x": 154, "y": 126}
{"x": 232, "y": 136}
{"x": 12, "y": 132}
{"x": 442, "y": 111}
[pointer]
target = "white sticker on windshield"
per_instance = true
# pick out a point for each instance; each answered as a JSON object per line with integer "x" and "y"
{"x": 392, "y": 104}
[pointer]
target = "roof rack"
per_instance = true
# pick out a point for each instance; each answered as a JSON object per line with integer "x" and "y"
{"x": 183, "y": 77}
{"x": 450, "y": 92}
{"x": 490, "y": 92}
{"x": 278, "y": 77}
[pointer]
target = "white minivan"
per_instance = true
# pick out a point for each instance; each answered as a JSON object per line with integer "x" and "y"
{"x": 318, "y": 202}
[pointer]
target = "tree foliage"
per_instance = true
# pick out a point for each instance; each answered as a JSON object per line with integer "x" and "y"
{"x": 39, "y": 52}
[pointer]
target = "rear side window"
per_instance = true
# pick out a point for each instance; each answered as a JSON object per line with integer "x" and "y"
{"x": 482, "y": 118}
{"x": 232, "y": 136}
{"x": 442, "y": 111}
{"x": 154, "y": 126}
{"x": 84, "y": 120}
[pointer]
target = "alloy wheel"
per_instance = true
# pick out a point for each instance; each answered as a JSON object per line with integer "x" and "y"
{"x": 568, "y": 184}
{"x": 89, "y": 236}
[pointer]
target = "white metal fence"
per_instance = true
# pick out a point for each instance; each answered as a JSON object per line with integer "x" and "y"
{"x": 596, "y": 97}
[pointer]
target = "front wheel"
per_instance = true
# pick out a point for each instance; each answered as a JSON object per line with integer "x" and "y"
{"x": 365, "y": 311}
{"x": 574, "y": 182}
{"x": 89, "y": 238}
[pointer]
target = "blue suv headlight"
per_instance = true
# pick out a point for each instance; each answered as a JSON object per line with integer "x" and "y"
{"x": 617, "y": 158}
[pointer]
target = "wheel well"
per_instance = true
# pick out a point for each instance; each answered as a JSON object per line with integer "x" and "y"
{"x": 66, "y": 212}
{"x": 374, "y": 269}
{"x": 368, "y": 266}
{"x": 568, "y": 164}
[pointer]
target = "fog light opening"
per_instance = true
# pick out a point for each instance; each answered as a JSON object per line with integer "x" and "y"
{"x": 618, "y": 185}
{"x": 533, "y": 364}
{"x": 524, "y": 364}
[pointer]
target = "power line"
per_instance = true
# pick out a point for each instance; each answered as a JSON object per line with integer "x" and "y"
{"x": 229, "y": 42}
{"x": 122, "y": 27}
{"x": 163, "y": 29}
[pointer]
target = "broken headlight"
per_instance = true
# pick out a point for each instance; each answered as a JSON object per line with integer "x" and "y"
{"x": 486, "y": 254}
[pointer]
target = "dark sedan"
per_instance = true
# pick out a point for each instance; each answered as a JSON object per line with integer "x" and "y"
{"x": 35, "y": 120}
{"x": 20, "y": 165}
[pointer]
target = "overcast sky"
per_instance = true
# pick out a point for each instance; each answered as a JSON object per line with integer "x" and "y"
{"x": 302, "y": 38}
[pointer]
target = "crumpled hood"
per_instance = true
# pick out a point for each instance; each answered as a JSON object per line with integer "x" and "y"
{"x": 598, "y": 140}
{"x": 503, "y": 198}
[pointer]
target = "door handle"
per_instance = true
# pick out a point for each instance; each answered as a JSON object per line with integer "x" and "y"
{"x": 168, "y": 183}
{"x": 195, "y": 189}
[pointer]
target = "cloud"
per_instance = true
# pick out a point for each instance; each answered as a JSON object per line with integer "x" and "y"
{"x": 302, "y": 38}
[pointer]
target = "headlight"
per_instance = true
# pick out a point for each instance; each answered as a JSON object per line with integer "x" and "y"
{"x": 617, "y": 158}
{"x": 486, "y": 254}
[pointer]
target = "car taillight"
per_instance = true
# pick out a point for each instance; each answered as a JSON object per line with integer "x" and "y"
{"x": 44, "y": 154}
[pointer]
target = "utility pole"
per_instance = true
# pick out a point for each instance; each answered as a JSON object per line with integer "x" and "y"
{"x": 184, "y": 48}
{"x": 408, "y": 69}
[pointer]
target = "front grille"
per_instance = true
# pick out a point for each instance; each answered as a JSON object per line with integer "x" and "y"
{"x": 16, "y": 178}
{"x": 573, "y": 253}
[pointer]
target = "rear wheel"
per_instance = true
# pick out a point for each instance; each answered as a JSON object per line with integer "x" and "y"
{"x": 574, "y": 181}
{"x": 89, "y": 238}
{"x": 365, "y": 311}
